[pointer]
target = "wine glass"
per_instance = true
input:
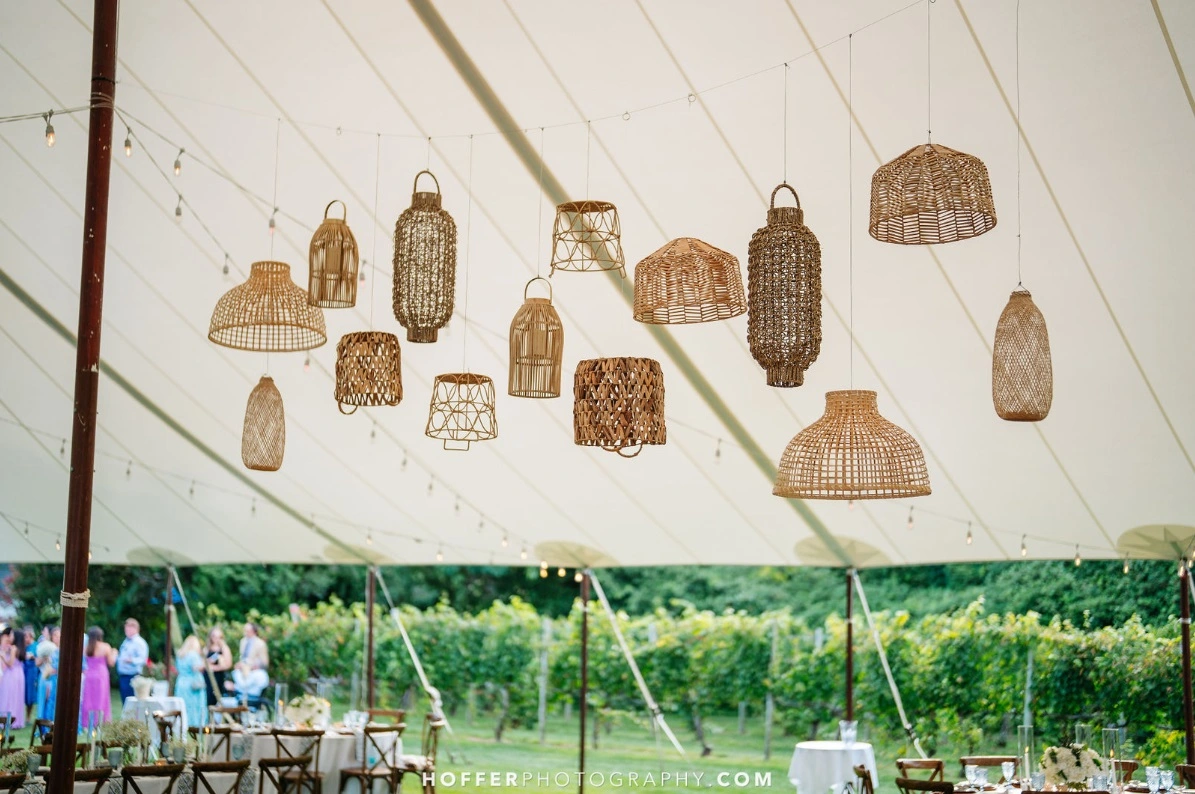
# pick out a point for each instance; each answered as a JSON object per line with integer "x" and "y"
{"x": 1009, "y": 769}
{"x": 1166, "y": 777}
{"x": 972, "y": 773}
{"x": 1153, "y": 779}
{"x": 981, "y": 777}
{"x": 1037, "y": 780}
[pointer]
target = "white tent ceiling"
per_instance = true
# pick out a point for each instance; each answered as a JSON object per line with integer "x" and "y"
{"x": 1106, "y": 202}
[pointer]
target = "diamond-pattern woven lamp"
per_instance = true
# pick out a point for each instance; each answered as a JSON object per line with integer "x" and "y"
{"x": 1022, "y": 370}
{"x": 333, "y": 260}
{"x": 536, "y": 347}
{"x": 263, "y": 440}
{"x": 931, "y": 194}
{"x": 688, "y": 281}
{"x": 424, "y": 265}
{"x": 618, "y": 404}
{"x": 462, "y": 410}
{"x": 587, "y": 237}
{"x": 368, "y": 370}
{"x": 269, "y": 313}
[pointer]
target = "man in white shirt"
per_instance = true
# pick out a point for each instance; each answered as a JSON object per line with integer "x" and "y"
{"x": 132, "y": 658}
{"x": 249, "y": 676}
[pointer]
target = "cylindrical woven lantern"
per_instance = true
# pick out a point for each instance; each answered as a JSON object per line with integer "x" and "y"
{"x": 618, "y": 404}
{"x": 368, "y": 370}
{"x": 852, "y": 453}
{"x": 263, "y": 440}
{"x": 269, "y": 313}
{"x": 931, "y": 194}
{"x": 462, "y": 410}
{"x": 424, "y": 265}
{"x": 1022, "y": 372}
{"x": 587, "y": 236}
{"x": 333, "y": 258}
{"x": 784, "y": 294}
{"x": 688, "y": 281}
{"x": 536, "y": 347}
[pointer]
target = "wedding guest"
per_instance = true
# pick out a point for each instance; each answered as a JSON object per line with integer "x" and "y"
{"x": 249, "y": 676}
{"x": 47, "y": 662}
{"x": 189, "y": 684}
{"x": 32, "y": 674}
{"x": 12, "y": 676}
{"x": 219, "y": 661}
{"x": 134, "y": 653}
{"x": 98, "y": 656}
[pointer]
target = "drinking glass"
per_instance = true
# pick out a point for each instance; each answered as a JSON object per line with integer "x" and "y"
{"x": 281, "y": 698}
{"x": 1099, "y": 782}
{"x": 1167, "y": 779}
{"x": 1037, "y": 780}
{"x": 115, "y": 755}
{"x": 848, "y": 730}
{"x": 32, "y": 763}
{"x": 971, "y": 771}
{"x": 1009, "y": 769}
{"x": 1083, "y": 733}
{"x": 1153, "y": 779}
{"x": 981, "y": 777}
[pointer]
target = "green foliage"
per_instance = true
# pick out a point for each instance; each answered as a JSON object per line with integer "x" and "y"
{"x": 1165, "y": 749}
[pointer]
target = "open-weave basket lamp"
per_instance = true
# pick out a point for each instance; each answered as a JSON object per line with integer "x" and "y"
{"x": 852, "y": 453}
{"x": 618, "y": 404}
{"x": 333, "y": 260}
{"x": 263, "y": 440}
{"x": 536, "y": 347}
{"x": 462, "y": 410}
{"x": 688, "y": 281}
{"x": 931, "y": 194}
{"x": 424, "y": 265}
{"x": 587, "y": 237}
{"x": 1022, "y": 372}
{"x": 784, "y": 294}
{"x": 269, "y": 313}
{"x": 368, "y": 370}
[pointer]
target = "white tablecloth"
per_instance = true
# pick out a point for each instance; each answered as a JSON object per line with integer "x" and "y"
{"x": 337, "y": 750}
{"x": 135, "y": 709}
{"x": 818, "y": 766}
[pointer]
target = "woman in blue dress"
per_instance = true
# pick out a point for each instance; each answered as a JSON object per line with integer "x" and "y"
{"x": 47, "y": 657}
{"x": 190, "y": 685}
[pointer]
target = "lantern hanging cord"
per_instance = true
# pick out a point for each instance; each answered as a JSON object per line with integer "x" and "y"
{"x": 784, "y": 143}
{"x": 539, "y": 230}
{"x": 588, "y": 143}
{"x": 468, "y": 241}
{"x": 373, "y": 254}
{"x": 929, "y": 72}
{"x": 1018, "y": 38}
{"x": 274, "y": 203}
{"x": 850, "y": 157}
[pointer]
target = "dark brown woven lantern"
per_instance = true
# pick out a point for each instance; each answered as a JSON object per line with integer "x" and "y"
{"x": 424, "y": 265}
{"x": 931, "y": 194}
{"x": 784, "y": 294}
{"x": 587, "y": 237}
{"x": 536, "y": 347}
{"x": 1022, "y": 371}
{"x": 463, "y": 410}
{"x": 333, "y": 260}
{"x": 269, "y": 313}
{"x": 618, "y": 404}
{"x": 263, "y": 440}
{"x": 368, "y": 370}
{"x": 688, "y": 281}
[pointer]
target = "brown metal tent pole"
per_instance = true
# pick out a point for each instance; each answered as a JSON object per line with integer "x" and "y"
{"x": 850, "y": 646}
{"x": 166, "y": 653}
{"x": 87, "y": 381}
{"x": 584, "y": 672}
{"x": 1185, "y": 612}
{"x": 370, "y": 579}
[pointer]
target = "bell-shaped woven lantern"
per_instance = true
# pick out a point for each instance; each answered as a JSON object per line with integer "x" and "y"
{"x": 618, "y": 404}
{"x": 424, "y": 265}
{"x": 269, "y": 313}
{"x": 587, "y": 237}
{"x": 688, "y": 281}
{"x": 263, "y": 440}
{"x": 784, "y": 294}
{"x": 536, "y": 347}
{"x": 333, "y": 259}
{"x": 931, "y": 194}
{"x": 852, "y": 453}
{"x": 462, "y": 410}
{"x": 368, "y": 370}
{"x": 1022, "y": 372}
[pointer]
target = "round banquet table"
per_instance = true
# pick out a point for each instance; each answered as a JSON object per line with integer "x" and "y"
{"x": 135, "y": 709}
{"x": 818, "y": 767}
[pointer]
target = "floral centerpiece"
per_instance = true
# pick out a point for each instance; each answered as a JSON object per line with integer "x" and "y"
{"x": 1070, "y": 766}
{"x": 308, "y": 710}
{"x": 16, "y": 762}
{"x": 125, "y": 734}
{"x": 143, "y": 686}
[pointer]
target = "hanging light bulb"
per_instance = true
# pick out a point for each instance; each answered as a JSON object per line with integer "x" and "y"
{"x": 49, "y": 129}
{"x": 272, "y": 222}
{"x": 506, "y": 542}
{"x": 1126, "y": 563}
{"x": 577, "y": 576}
{"x": 440, "y": 555}
{"x": 1078, "y": 559}
{"x": 456, "y": 506}
{"x": 369, "y": 537}
{"x": 560, "y": 572}
{"x": 128, "y": 472}
{"x": 192, "y": 489}
{"x": 404, "y": 460}
{"x": 89, "y": 550}
{"x": 178, "y": 162}
{"x": 58, "y": 543}
{"x": 178, "y": 209}
{"x": 431, "y": 485}
{"x": 850, "y": 504}
{"x": 253, "y": 508}
{"x": 62, "y": 449}
{"x": 523, "y": 553}
{"x": 307, "y": 364}
{"x": 481, "y": 524}
{"x": 361, "y": 272}
{"x": 910, "y": 521}
{"x": 373, "y": 432}
{"x": 26, "y": 529}
{"x": 970, "y": 539}
{"x": 543, "y": 573}
{"x": 1024, "y": 548}
{"x": 226, "y": 260}
{"x": 718, "y": 452}
{"x": 128, "y": 142}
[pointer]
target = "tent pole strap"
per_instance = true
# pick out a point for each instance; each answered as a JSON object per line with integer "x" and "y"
{"x": 370, "y": 578}
{"x": 1185, "y": 611}
{"x": 584, "y": 674}
{"x": 850, "y": 645}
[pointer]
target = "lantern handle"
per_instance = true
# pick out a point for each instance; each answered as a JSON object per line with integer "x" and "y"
{"x": 621, "y": 450}
{"x": 532, "y": 281}
{"x": 448, "y": 442}
{"x": 341, "y": 405}
{"x": 415, "y": 187}
{"x": 791, "y": 189}
{"x": 343, "y": 206}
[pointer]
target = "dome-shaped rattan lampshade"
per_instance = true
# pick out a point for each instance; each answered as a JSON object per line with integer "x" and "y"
{"x": 618, "y": 404}
{"x": 269, "y": 313}
{"x": 1022, "y": 371}
{"x": 263, "y": 440}
{"x": 368, "y": 370}
{"x": 462, "y": 410}
{"x": 688, "y": 281}
{"x": 587, "y": 237}
{"x": 536, "y": 347}
{"x": 852, "y": 453}
{"x": 931, "y": 194}
{"x": 424, "y": 265}
{"x": 784, "y": 294}
{"x": 333, "y": 260}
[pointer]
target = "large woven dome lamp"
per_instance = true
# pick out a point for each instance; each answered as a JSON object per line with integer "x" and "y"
{"x": 424, "y": 265}
{"x": 688, "y": 281}
{"x": 333, "y": 260}
{"x": 368, "y": 370}
{"x": 618, "y": 404}
{"x": 931, "y": 194}
{"x": 263, "y": 440}
{"x": 536, "y": 347}
{"x": 462, "y": 410}
{"x": 269, "y": 313}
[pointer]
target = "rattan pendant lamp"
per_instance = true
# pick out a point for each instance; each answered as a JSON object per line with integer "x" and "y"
{"x": 424, "y": 265}
{"x": 536, "y": 347}
{"x": 618, "y": 404}
{"x": 333, "y": 260}
{"x": 688, "y": 281}
{"x": 586, "y": 236}
{"x": 269, "y": 313}
{"x": 263, "y": 439}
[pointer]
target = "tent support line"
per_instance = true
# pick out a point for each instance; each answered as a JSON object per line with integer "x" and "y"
{"x": 850, "y": 646}
{"x": 168, "y": 605}
{"x": 432, "y": 692}
{"x": 370, "y": 577}
{"x": 182, "y": 594}
{"x": 1184, "y": 586}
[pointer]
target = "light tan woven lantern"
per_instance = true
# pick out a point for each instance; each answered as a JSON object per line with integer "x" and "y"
{"x": 587, "y": 237}
{"x": 462, "y": 410}
{"x": 688, "y": 281}
{"x": 424, "y": 265}
{"x": 333, "y": 260}
{"x": 618, "y": 404}
{"x": 1022, "y": 371}
{"x": 263, "y": 440}
{"x": 368, "y": 370}
{"x": 784, "y": 294}
{"x": 536, "y": 347}
{"x": 852, "y": 453}
{"x": 269, "y": 313}
{"x": 931, "y": 194}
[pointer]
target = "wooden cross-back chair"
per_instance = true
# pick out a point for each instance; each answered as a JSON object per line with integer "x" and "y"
{"x": 205, "y": 769}
{"x": 170, "y": 724}
{"x": 129, "y": 775}
{"x": 295, "y": 743}
{"x": 226, "y": 715}
{"x": 863, "y": 782}
{"x": 43, "y": 732}
{"x": 1125, "y": 768}
{"x": 988, "y": 761}
{"x": 219, "y": 738}
{"x": 382, "y": 741}
{"x": 99, "y": 776}
{"x": 12, "y": 783}
{"x": 425, "y": 763}
{"x": 274, "y": 770}
{"x": 909, "y": 785}
{"x": 1186, "y": 774}
{"x": 392, "y": 716}
{"x": 935, "y": 767}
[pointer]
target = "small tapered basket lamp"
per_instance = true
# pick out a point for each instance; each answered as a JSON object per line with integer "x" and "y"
{"x": 931, "y": 194}
{"x": 463, "y": 410}
{"x": 333, "y": 259}
{"x": 424, "y": 265}
{"x": 536, "y": 347}
{"x": 269, "y": 313}
{"x": 368, "y": 370}
{"x": 263, "y": 440}
{"x": 587, "y": 237}
{"x": 1022, "y": 370}
{"x": 618, "y": 404}
{"x": 688, "y": 281}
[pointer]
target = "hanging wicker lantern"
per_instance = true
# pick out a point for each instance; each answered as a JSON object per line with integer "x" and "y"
{"x": 587, "y": 237}
{"x": 784, "y": 294}
{"x": 852, "y": 453}
{"x": 618, "y": 404}
{"x": 424, "y": 265}
{"x": 462, "y": 410}
{"x": 264, "y": 438}
{"x": 536, "y": 347}
{"x": 333, "y": 259}
{"x": 368, "y": 370}
{"x": 931, "y": 194}
{"x": 688, "y": 281}
{"x": 1022, "y": 372}
{"x": 269, "y": 313}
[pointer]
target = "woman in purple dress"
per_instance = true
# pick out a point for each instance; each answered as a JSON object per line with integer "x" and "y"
{"x": 12, "y": 678}
{"x": 97, "y": 686}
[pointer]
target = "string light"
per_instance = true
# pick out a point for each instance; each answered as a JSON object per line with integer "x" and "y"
{"x": 577, "y": 576}
{"x": 543, "y": 569}
{"x": 481, "y": 525}
{"x": 440, "y": 555}
{"x": 192, "y": 489}
{"x": 307, "y": 364}
{"x": 128, "y": 142}
{"x": 26, "y": 529}
{"x": 361, "y": 272}
{"x": 1126, "y": 564}
{"x": 560, "y": 572}
{"x": 910, "y": 521}
{"x": 273, "y": 224}
{"x": 369, "y": 538}
{"x": 58, "y": 543}
{"x": 404, "y": 460}
{"x": 431, "y": 486}
{"x": 62, "y": 449}
{"x": 456, "y": 506}
{"x": 178, "y": 162}
{"x": 523, "y": 553}
{"x": 1078, "y": 559}
{"x": 970, "y": 539}
{"x": 128, "y": 472}
{"x": 227, "y": 258}
{"x": 89, "y": 550}
{"x": 506, "y": 542}
{"x": 178, "y": 208}
{"x": 1024, "y": 548}
{"x": 718, "y": 452}
{"x": 49, "y": 129}
{"x": 253, "y": 508}
{"x": 373, "y": 432}
{"x": 850, "y": 504}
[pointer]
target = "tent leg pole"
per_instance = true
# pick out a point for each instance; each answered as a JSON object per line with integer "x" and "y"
{"x": 850, "y": 647}
{"x": 370, "y": 579}
{"x": 1185, "y": 612}
{"x": 584, "y": 674}
{"x": 167, "y": 649}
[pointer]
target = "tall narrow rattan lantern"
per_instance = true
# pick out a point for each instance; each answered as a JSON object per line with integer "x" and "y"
{"x": 462, "y": 410}
{"x": 618, "y": 404}
{"x": 931, "y": 194}
{"x": 263, "y": 440}
{"x": 1022, "y": 371}
{"x": 269, "y": 313}
{"x": 536, "y": 347}
{"x": 784, "y": 294}
{"x": 333, "y": 260}
{"x": 587, "y": 237}
{"x": 424, "y": 265}
{"x": 368, "y": 370}
{"x": 688, "y": 281}
{"x": 852, "y": 453}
